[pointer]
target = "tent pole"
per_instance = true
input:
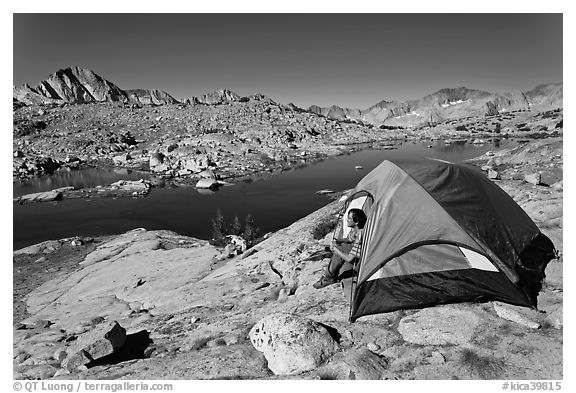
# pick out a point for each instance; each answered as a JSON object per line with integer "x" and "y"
{"x": 352, "y": 286}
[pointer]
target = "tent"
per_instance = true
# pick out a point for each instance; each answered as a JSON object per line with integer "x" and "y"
{"x": 439, "y": 233}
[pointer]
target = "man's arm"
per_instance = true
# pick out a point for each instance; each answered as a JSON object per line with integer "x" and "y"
{"x": 343, "y": 255}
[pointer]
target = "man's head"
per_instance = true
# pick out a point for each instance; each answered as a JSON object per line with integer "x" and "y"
{"x": 356, "y": 217}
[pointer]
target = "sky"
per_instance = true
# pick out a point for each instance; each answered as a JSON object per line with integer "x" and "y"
{"x": 349, "y": 60}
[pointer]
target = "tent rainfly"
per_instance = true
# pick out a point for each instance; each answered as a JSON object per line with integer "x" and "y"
{"x": 441, "y": 233}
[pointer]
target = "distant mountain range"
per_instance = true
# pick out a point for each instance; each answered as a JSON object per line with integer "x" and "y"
{"x": 78, "y": 85}
{"x": 449, "y": 103}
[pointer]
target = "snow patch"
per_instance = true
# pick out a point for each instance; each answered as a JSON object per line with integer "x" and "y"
{"x": 413, "y": 113}
{"x": 451, "y": 103}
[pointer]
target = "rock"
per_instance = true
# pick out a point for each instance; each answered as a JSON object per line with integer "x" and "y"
{"x": 131, "y": 185}
{"x": 156, "y": 159}
{"x": 160, "y": 168}
{"x": 348, "y": 334}
{"x": 437, "y": 358}
{"x": 61, "y": 371}
{"x": 41, "y": 371}
{"x": 46, "y": 196}
{"x": 505, "y": 311}
{"x": 534, "y": 178}
{"x": 282, "y": 294}
{"x": 494, "y": 175}
{"x": 103, "y": 340}
{"x": 207, "y": 184}
{"x": 207, "y": 174}
{"x": 292, "y": 344}
{"x": 38, "y": 323}
{"x": 20, "y": 358}
{"x": 355, "y": 364}
{"x": 121, "y": 159}
{"x": 373, "y": 347}
{"x": 171, "y": 147}
{"x": 238, "y": 241}
{"x": 554, "y": 275}
{"x": 555, "y": 318}
{"x": 135, "y": 306}
{"x": 184, "y": 172}
{"x": 192, "y": 166}
{"x": 60, "y": 355}
{"x": 439, "y": 326}
{"x": 517, "y": 176}
{"x": 495, "y": 161}
{"x": 558, "y": 185}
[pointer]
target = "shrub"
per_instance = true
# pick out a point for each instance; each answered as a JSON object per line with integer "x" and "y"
{"x": 485, "y": 367}
{"x": 324, "y": 227}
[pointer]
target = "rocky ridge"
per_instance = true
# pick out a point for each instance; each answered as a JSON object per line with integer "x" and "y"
{"x": 75, "y": 84}
{"x": 238, "y": 318}
{"x": 449, "y": 104}
{"x": 78, "y": 85}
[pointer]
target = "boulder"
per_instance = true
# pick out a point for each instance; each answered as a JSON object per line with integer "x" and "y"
{"x": 207, "y": 183}
{"x": 156, "y": 159}
{"x": 41, "y": 371}
{"x": 238, "y": 241}
{"x": 494, "y": 175}
{"x": 439, "y": 326}
{"x": 534, "y": 178}
{"x": 292, "y": 344}
{"x": 103, "y": 340}
{"x": 121, "y": 159}
{"x": 46, "y": 196}
{"x": 160, "y": 168}
{"x": 198, "y": 164}
{"x": 207, "y": 174}
{"x": 512, "y": 313}
{"x": 131, "y": 185}
{"x": 559, "y": 185}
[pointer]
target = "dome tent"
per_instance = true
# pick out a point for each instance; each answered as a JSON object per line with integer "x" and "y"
{"x": 441, "y": 233}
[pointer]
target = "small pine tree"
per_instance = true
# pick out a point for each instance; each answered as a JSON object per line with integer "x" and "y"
{"x": 250, "y": 230}
{"x": 236, "y": 228}
{"x": 218, "y": 229}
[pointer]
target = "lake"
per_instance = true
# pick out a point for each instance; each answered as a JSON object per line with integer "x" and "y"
{"x": 274, "y": 201}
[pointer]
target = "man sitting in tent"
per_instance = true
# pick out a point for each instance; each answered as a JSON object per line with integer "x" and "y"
{"x": 350, "y": 251}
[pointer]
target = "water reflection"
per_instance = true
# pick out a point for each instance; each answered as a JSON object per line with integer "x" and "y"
{"x": 77, "y": 179}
